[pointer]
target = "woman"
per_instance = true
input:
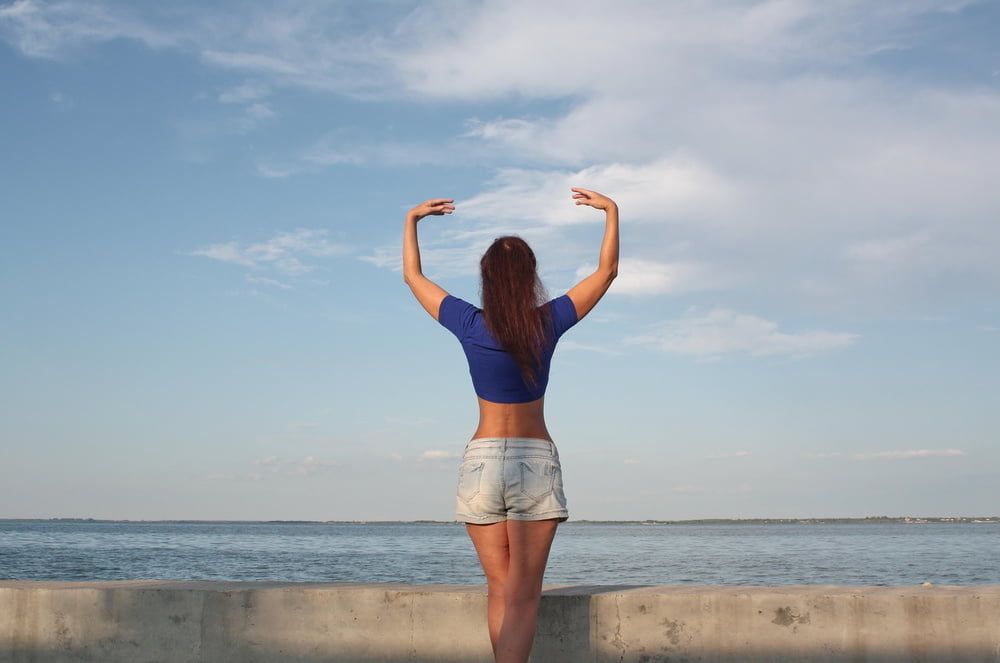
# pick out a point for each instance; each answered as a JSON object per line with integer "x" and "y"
{"x": 510, "y": 490}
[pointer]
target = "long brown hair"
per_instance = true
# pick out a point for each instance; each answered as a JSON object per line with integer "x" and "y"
{"x": 512, "y": 302}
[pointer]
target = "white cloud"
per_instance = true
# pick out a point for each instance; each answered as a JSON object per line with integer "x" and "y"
{"x": 341, "y": 148}
{"x": 908, "y": 453}
{"x": 722, "y": 331}
{"x": 250, "y": 278}
{"x": 437, "y": 259}
{"x": 774, "y": 157}
{"x": 284, "y": 252}
{"x": 437, "y": 454}
{"x": 537, "y": 205}
{"x": 247, "y": 91}
{"x": 61, "y": 100}
{"x": 763, "y": 135}
{"x": 53, "y": 30}
{"x": 254, "y": 114}
{"x": 638, "y": 276}
{"x": 309, "y": 466}
{"x": 677, "y": 188}
{"x": 276, "y": 466}
{"x": 888, "y": 250}
{"x": 570, "y": 344}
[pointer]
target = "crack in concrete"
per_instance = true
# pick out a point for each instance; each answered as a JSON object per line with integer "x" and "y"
{"x": 617, "y": 640}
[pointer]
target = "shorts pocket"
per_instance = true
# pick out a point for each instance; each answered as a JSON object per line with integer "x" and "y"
{"x": 470, "y": 475}
{"x": 537, "y": 477}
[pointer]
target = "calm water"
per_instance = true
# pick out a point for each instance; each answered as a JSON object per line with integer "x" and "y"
{"x": 582, "y": 553}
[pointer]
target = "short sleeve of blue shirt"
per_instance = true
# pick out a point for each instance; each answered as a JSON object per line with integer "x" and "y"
{"x": 563, "y": 314}
{"x": 456, "y": 315}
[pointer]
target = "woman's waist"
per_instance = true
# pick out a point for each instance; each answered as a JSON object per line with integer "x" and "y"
{"x": 511, "y": 445}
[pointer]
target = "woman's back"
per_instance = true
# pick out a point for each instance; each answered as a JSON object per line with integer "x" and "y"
{"x": 496, "y": 376}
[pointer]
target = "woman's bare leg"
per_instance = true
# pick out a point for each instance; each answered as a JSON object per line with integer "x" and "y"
{"x": 491, "y": 546}
{"x": 528, "y": 544}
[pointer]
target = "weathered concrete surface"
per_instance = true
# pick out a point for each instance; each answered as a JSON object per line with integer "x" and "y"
{"x": 221, "y": 622}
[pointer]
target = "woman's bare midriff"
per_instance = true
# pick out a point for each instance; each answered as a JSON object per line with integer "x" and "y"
{"x": 512, "y": 419}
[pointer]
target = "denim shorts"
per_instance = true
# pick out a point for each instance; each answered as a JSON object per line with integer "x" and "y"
{"x": 510, "y": 477}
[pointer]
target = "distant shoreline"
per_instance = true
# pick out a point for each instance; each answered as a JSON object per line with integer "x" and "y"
{"x": 880, "y": 520}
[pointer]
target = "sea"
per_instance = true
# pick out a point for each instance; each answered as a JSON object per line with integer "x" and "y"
{"x": 849, "y": 553}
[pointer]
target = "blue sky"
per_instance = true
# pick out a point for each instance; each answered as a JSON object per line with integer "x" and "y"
{"x": 204, "y": 314}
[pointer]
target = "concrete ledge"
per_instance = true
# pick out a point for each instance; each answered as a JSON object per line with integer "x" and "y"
{"x": 221, "y": 622}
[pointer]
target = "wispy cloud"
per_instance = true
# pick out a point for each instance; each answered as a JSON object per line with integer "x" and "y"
{"x": 276, "y": 466}
{"x": 908, "y": 453}
{"x": 570, "y": 344}
{"x": 902, "y": 454}
{"x": 638, "y": 276}
{"x": 437, "y": 454}
{"x": 537, "y": 205}
{"x": 859, "y": 156}
{"x": 722, "y": 331}
{"x": 53, "y": 30}
{"x": 888, "y": 250}
{"x": 252, "y": 116}
{"x": 677, "y": 188}
{"x": 250, "y": 278}
{"x": 285, "y": 252}
{"x": 309, "y": 466}
{"x": 863, "y": 166}
{"x": 61, "y": 100}
{"x": 248, "y": 90}
{"x": 305, "y": 466}
{"x": 429, "y": 457}
{"x": 344, "y": 147}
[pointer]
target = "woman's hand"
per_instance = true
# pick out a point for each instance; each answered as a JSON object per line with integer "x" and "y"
{"x": 592, "y": 198}
{"x": 437, "y": 206}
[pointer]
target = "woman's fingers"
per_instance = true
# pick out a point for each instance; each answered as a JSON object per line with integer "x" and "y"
{"x": 439, "y": 206}
{"x": 588, "y": 197}
{"x": 435, "y": 206}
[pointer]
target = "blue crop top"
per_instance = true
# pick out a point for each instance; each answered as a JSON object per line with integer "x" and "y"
{"x": 495, "y": 375}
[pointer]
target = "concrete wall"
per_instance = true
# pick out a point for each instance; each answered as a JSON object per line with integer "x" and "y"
{"x": 219, "y": 622}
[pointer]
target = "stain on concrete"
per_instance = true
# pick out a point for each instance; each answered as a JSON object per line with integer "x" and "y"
{"x": 64, "y": 638}
{"x": 786, "y": 617}
{"x": 666, "y": 658}
{"x": 672, "y": 628}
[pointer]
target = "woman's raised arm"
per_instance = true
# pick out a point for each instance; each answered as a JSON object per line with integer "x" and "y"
{"x": 428, "y": 293}
{"x": 589, "y": 291}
